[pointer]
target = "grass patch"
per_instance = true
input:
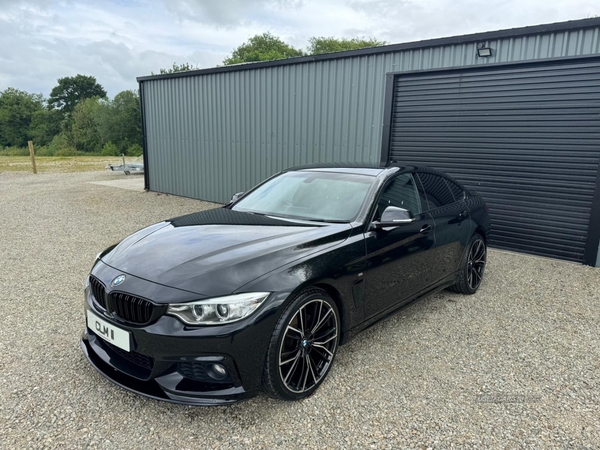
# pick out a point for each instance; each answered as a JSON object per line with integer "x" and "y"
{"x": 61, "y": 163}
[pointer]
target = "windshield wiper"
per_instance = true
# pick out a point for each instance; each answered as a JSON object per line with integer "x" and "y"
{"x": 306, "y": 219}
{"x": 325, "y": 221}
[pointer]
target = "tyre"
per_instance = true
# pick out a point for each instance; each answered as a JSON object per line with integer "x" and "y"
{"x": 472, "y": 266}
{"x": 303, "y": 346}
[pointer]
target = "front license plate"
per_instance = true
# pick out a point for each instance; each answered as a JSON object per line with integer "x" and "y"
{"x": 108, "y": 331}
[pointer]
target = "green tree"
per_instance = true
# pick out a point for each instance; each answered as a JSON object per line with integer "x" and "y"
{"x": 84, "y": 134}
{"x": 262, "y": 47}
{"x": 176, "y": 68}
{"x": 60, "y": 145}
{"x": 319, "y": 45}
{"x": 135, "y": 150}
{"x": 17, "y": 109}
{"x": 119, "y": 120}
{"x": 45, "y": 125}
{"x": 110, "y": 149}
{"x": 71, "y": 90}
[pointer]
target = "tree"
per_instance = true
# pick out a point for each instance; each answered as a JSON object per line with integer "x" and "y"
{"x": 120, "y": 121}
{"x": 110, "y": 149}
{"x": 71, "y": 90}
{"x": 45, "y": 124}
{"x": 262, "y": 47}
{"x": 176, "y": 68}
{"x": 319, "y": 45}
{"x": 17, "y": 109}
{"x": 59, "y": 146}
{"x": 84, "y": 134}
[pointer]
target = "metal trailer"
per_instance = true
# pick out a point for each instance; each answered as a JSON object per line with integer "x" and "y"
{"x": 127, "y": 168}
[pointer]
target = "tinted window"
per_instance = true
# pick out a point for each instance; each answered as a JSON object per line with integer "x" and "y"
{"x": 422, "y": 196}
{"x": 437, "y": 191}
{"x": 401, "y": 192}
{"x": 456, "y": 190}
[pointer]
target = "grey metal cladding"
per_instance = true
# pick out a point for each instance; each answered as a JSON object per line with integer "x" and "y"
{"x": 211, "y": 135}
{"x": 526, "y": 137}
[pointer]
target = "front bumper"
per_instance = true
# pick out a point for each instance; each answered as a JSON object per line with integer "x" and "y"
{"x": 170, "y": 367}
{"x": 171, "y": 361}
{"x": 156, "y": 388}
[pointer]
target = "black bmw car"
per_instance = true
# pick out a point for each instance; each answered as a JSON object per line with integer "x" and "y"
{"x": 211, "y": 307}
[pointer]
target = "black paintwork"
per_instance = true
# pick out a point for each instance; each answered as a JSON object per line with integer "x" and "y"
{"x": 369, "y": 273}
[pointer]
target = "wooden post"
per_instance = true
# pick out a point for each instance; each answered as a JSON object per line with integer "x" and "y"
{"x": 32, "y": 156}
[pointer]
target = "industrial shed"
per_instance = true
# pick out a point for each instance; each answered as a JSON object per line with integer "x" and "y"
{"x": 514, "y": 114}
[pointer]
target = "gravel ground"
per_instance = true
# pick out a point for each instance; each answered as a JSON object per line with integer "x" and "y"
{"x": 516, "y": 365}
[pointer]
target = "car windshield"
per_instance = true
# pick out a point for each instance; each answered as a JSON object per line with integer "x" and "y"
{"x": 311, "y": 195}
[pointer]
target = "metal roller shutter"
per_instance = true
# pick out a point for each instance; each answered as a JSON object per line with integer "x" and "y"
{"x": 526, "y": 137}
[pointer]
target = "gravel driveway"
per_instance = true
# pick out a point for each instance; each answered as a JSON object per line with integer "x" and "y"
{"x": 516, "y": 365}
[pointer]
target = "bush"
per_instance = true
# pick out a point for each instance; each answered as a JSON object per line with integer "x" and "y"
{"x": 43, "y": 151}
{"x": 60, "y": 146}
{"x": 15, "y": 151}
{"x": 110, "y": 149}
{"x": 135, "y": 150}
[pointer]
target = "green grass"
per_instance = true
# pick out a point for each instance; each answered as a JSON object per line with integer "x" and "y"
{"x": 61, "y": 163}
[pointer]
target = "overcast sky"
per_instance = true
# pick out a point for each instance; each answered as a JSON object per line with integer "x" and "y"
{"x": 118, "y": 40}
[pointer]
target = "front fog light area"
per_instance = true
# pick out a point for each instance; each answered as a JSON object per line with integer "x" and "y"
{"x": 216, "y": 371}
{"x": 206, "y": 372}
{"x": 219, "y": 310}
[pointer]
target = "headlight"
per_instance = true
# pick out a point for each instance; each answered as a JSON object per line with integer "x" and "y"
{"x": 215, "y": 311}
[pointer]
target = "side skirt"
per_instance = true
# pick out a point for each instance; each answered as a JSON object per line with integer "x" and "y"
{"x": 352, "y": 333}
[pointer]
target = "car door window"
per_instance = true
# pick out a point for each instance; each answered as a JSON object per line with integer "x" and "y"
{"x": 457, "y": 191}
{"x": 436, "y": 190}
{"x": 400, "y": 192}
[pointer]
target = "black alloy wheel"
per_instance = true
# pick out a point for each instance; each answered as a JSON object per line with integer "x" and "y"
{"x": 303, "y": 346}
{"x": 473, "y": 266}
{"x": 476, "y": 264}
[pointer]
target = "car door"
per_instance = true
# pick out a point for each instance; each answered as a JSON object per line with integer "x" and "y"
{"x": 398, "y": 258}
{"x": 450, "y": 213}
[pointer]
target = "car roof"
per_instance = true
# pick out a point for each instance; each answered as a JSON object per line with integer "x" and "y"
{"x": 358, "y": 168}
{"x": 371, "y": 169}
{"x": 340, "y": 165}
{"x": 362, "y": 165}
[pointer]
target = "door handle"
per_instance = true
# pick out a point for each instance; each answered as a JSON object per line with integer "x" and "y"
{"x": 426, "y": 229}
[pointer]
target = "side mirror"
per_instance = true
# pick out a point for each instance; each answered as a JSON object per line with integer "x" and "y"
{"x": 236, "y": 197}
{"x": 392, "y": 217}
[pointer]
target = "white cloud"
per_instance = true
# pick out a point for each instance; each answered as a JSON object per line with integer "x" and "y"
{"x": 117, "y": 40}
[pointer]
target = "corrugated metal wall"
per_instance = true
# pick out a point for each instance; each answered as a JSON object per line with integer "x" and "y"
{"x": 209, "y": 136}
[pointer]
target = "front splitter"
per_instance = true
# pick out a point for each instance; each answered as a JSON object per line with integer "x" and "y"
{"x": 151, "y": 389}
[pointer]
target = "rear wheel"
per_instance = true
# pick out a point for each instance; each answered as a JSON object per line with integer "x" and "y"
{"x": 472, "y": 266}
{"x": 303, "y": 346}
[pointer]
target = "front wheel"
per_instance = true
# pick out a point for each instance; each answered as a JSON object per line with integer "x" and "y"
{"x": 302, "y": 347}
{"x": 472, "y": 266}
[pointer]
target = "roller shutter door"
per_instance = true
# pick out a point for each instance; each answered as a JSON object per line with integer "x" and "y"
{"x": 526, "y": 137}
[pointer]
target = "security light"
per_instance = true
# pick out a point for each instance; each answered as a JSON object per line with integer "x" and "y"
{"x": 483, "y": 51}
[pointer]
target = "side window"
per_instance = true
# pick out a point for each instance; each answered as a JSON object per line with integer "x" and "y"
{"x": 401, "y": 192}
{"x": 457, "y": 191}
{"x": 437, "y": 191}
